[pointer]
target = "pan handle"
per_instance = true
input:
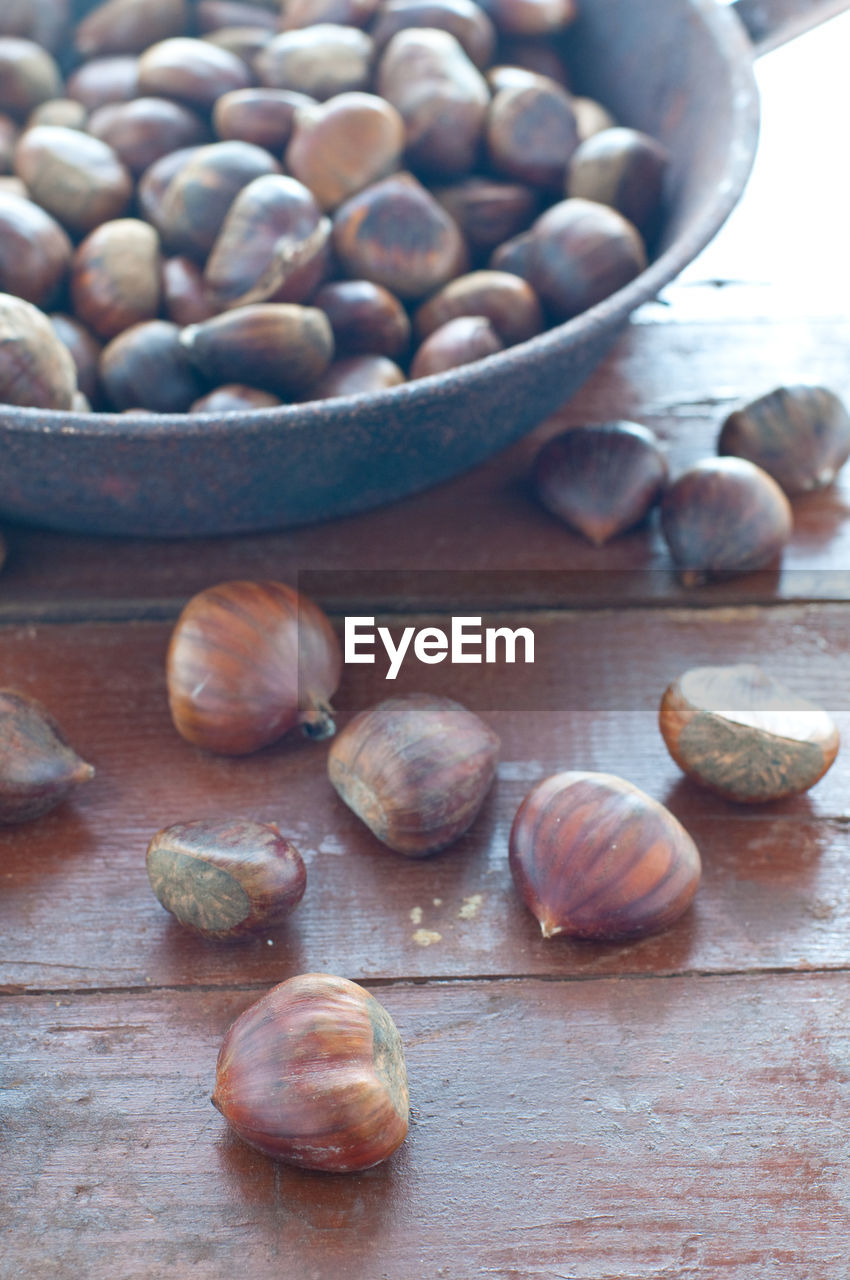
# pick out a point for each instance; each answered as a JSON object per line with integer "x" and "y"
{"x": 772, "y": 22}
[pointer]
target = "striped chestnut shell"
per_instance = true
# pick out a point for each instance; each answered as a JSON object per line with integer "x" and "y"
{"x": 313, "y": 1074}
{"x": 592, "y": 856}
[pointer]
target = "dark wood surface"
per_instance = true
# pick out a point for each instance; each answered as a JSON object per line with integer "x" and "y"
{"x": 672, "y": 1108}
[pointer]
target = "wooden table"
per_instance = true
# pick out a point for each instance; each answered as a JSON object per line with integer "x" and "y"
{"x": 676, "y": 1107}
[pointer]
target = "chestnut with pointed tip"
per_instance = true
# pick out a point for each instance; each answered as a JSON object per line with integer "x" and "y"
{"x": 277, "y": 346}
{"x": 313, "y": 1074}
{"x": 601, "y": 479}
{"x": 743, "y": 734}
{"x": 592, "y": 856}
{"x": 38, "y": 767}
{"x": 226, "y": 878}
{"x": 247, "y": 662}
{"x": 416, "y": 770}
{"x": 800, "y": 435}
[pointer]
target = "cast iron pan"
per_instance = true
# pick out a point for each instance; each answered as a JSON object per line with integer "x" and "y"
{"x": 679, "y": 69}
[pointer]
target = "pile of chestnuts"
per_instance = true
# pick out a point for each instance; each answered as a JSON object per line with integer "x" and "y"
{"x": 215, "y": 205}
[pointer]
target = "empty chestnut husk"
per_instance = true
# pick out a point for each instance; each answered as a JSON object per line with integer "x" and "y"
{"x": 800, "y": 435}
{"x": 313, "y": 1074}
{"x": 724, "y": 515}
{"x": 38, "y": 767}
{"x": 592, "y": 856}
{"x": 226, "y": 878}
{"x": 743, "y": 734}
{"x": 601, "y": 479}
{"x": 416, "y": 770}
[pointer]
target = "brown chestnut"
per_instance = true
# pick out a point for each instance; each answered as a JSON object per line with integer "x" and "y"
{"x": 395, "y": 234}
{"x": 116, "y": 280}
{"x": 104, "y": 80}
{"x": 129, "y": 26}
{"x": 488, "y": 211}
{"x": 213, "y": 15}
{"x": 67, "y": 113}
{"x": 724, "y": 515}
{"x": 345, "y": 13}
{"x": 625, "y": 169}
{"x": 36, "y": 368}
{"x": 146, "y": 368}
{"x": 321, "y": 60}
{"x": 38, "y": 767}
{"x": 531, "y": 17}
{"x": 531, "y": 133}
{"x": 601, "y": 479}
{"x": 191, "y": 71}
{"x": 313, "y": 1074}
{"x": 146, "y": 129}
{"x": 592, "y": 856}
{"x": 44, "y": 21}
{"x": 248, "y": 662}
{"x": 356, "y": 376}
{"x": 243, "y": 42}
{"x": 279, "y": 346}
{"x": 155, "y": 181}
{"x": 508, "y": 302}
{"x": 591, "y": 117}
{"x": 416, "y": 770}
{"x": 85, "y": 351}
{"x": 262, "y": 116}
{"x": 457, "y": 342}
{"x": 366, "y": 318}
{"x": 35, "y": 252}
{"x": 341, "y": 146}
{"x": 184, "y": 293}
{"x": 463, "y": 19}
{"x": 228, "y": 878}
{"x": 800, "y": 435}
{"x": 234, "y": 398}
{"x": 441, "y": 97}
{"x": 77, "y": 178}
{"x": 28, "y": 76}
{"x": 743, "y": 734}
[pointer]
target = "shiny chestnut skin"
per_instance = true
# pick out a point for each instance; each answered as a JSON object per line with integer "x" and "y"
{"x": 75, "y": 177}
{"x": 309, "y": 13}
{"x": 724, "y": 515}
{"x": 244, "y": 42}
{"x": 277, "y": 346}
{"x": 215, "y": 15}
{"x": 35, "y": 251}
{"x": 800, "y": 435}
{"x": 36, "y": 368}
{"x": 458, "y": 341}
{"x": 184, "y": 293}
{"x": 464, "y": 20}
{"x": 234, "y": 398}
{"x": 532, "y": 17}
{"x": 743, "y": 734}
{"x": 341, "y": 146}
{"x": 592, "y": 856}
{"x": 507, "y": 301}
{"x": 531, "y": 133}
{"x": 313, "y": 1074}
{"x": 84, "y": 348}
{"x": 65, "y": 112}
{"x": 226, "y": 878}
{"x": 488, "y": 211}
{"x": 365, "y": 317}
{"x": 146, "y": 367}
{"x": 321, "y": 60}
{"x": 191, "y": 71}
{"x": 625, "y": 169}
{"x": 263, "y": 116}
{"x": 356, "y": 376}
{"x": 38, "y": 767}
{"x": 116, "y": 279}
{"x": 28, "y": 76}
{"x": 104, "y": 80}
{"x": 142, "y": 131}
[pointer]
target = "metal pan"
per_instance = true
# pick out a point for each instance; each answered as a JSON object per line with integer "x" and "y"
{"x": 679, "y": 69}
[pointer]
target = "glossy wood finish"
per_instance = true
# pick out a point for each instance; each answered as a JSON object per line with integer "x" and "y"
{"x": 675, "y": 1107}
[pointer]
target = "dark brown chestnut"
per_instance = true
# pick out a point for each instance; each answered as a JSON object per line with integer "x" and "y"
{"x": 279, "y": 347}
{"x": 320, "y": 60}
{"x": 28, "y": 76}
{"x": 341, "y": 146}
{"x": 459, "y": 341}
{"x": 146, "y": 367}
{"x": 36, "y": 368}
{"x": 395, "y": 234}
{"x": 601, "y": 479}
{"x": 226, "y": 878}
{"x": 38, "y": 768}
{"x": 116, "y": 279}
{"x": 85, "y": 351}
{"x": 77, "y": 178}
{"x": 724, "y": 515}
{"x": 508, "y": 302}
{"x": 35, "y": 252}
{"x": 488, "y": 211}
{"x": 235, "y": 398}
{"x": 191, "y": 71}
{"x": 743, "y": 734}
{"x": 800, "y": 435}
{"x": 129, "y": 26}
{"x": 440, "y": 95}
{"x": 416, "y": 770}
{"x": 356, "y": 376}
{"x": 155, "y": 181}
{"x": 366, "y": 318}
{"x": 625, "y": 169}
{"x": 531, "y": 133}
{"x": 184, "y": 293}
{"x": 463, "y": 19}
{"x": 104, "y": 80}
{"x": 261, "y": 116}
{"x": 142, "y": 131}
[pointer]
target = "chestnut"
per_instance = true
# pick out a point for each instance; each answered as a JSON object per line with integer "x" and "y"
{"x": 38, "y": 767}
{"x": 234, "y": 398}
{"x": 508, "y": 302}
{"x": 247, "y": 662}
{"x": 129, "y": 26}
{"x": 227, "y": 878}
{"x": 724, "y": 515}
{"x": 531, "y": 17}
{"x": 35, "y": 252}
{"x": 743, "y": 734}
{"x": 262, "y": 116}
{"x": 36, "y": 368}
{"x": 601, "y": 479}
{"x": 244, "y": 43}
{"x": 341, "y": 146}
{"x": 85, "y": 351}
{"x": 591, "y": 117}
{"x": 531, "y": 133}
{"x": 321, "y": 60}
{"x": 146, "y": 129}
{"x": 459, "y": 341}
{"x": 44, "y": 21}
{"x": 416, "y": 770}
{"x": 366, "y": 318}
{"x": 8, "y": 142}
{"x": 155, "y": 181}
{"x": 116, "y": 279}
{"x": 146, "y": 368}
{"x": 488, "y": 210}
{"x": 278, "y": 347}
{"x": 313, "y": 1074}
{"x": 65, "y": 112}
{"x": 191, "y": 71}
{"x": 345, "y": 13}
{"x": 356, "y": 376}
{"x": 213, "y": 15}
{"x": 463, "y": 19}
{"x": 104, "y": 80}
{"x": 592, "y": 856}
{"x": 395, "y": 234}
{"x": 625, "y": 169}
{"x": 800, "y": 435}
{"x": 77, "y": 178}
{"x": 441, "y": 97}
{"x": 28, "y": 76}
{"x": 184, "y": 293}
